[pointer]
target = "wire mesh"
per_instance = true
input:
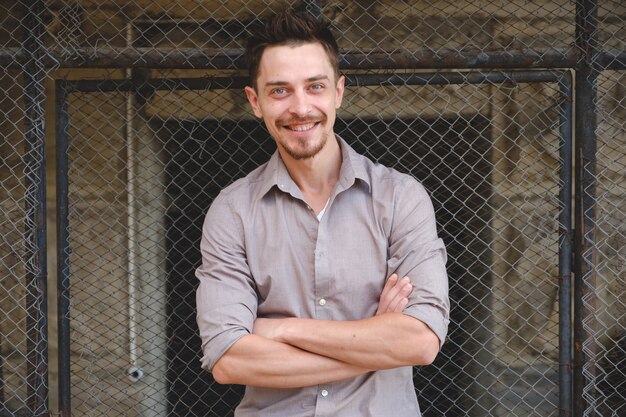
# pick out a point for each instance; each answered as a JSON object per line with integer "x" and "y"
{"x": 145, "y": 164}
{"x": 13, "y": 255}
{"x": 187, "y": 159}
{"x": 604, "y": 301}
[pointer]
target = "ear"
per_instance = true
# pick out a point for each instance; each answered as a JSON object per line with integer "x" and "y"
{"x": 253, "y": 98}
{"x": 340, "y": 89}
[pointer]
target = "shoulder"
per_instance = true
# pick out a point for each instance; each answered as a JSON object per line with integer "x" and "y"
{"x": 234, "y": 203}
{"x": 246, "y": 189}
{"x": 388, "y": 182}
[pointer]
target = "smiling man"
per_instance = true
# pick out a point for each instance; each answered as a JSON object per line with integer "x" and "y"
{"x": 294, "y": 300}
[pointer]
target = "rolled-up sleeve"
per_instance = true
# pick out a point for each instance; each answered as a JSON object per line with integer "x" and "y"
{"x": 226, "y": 298}
{"x": 416, "y": 251}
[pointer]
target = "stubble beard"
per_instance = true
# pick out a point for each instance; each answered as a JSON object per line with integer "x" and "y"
{"x": 303, "y": 149}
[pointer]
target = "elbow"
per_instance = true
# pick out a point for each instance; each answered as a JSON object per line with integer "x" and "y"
{"x": 427, "y": 357}
{"x": 428, "y": 349}
{"x": 221, "y": 372}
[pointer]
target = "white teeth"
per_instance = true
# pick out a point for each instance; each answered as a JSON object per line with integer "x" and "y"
{"x": 302, "y": 128}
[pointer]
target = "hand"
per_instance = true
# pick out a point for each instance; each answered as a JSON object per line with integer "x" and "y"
{"x": 393, "y": 299}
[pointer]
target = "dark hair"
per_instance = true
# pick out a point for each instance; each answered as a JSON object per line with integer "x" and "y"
{"x": 290, "y": 27}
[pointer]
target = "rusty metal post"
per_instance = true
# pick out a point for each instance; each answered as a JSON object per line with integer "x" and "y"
{"x": 565, "y": 250}
{"x": 33, "y": 76}
{"x": 63, "y": 250}
{"x": 585, "y": 210}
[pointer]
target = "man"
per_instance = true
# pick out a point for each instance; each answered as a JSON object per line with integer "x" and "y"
{"x": 293, "y": 300}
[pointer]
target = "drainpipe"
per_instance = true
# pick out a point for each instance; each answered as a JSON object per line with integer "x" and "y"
{"x": 134, "y": 372}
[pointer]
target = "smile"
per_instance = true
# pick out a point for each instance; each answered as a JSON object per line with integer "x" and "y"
{"x": 301, "y": 128}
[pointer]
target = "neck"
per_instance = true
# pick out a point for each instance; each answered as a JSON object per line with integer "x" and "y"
{"x": 317, "y": 176}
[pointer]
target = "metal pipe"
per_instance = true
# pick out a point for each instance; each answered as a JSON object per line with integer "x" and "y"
{"x": 63, "y": 247}
{"x": 565, "y": 250}
{"x": 232, "y": 58}
{"x": 134, "y": 372}
{"x": 585, "y": 216}
{"x": 443, "y": 78}
{"x": 34, "y": 75}
{"x": 145, "y": 87}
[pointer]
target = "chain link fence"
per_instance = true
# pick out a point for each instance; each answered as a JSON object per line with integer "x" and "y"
{"x": 122, "y": 120}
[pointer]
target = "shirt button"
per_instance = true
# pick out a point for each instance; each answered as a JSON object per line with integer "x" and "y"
{"x": 324, "y": 393}
{"x": 322, "y": 302}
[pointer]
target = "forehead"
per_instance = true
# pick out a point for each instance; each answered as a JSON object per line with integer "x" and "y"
{"x": 290, "y": 62}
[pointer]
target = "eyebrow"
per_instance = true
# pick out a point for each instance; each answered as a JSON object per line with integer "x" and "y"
{"x": 308, "y": 80}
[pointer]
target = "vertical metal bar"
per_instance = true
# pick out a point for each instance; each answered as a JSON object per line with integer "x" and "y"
{"x": 35, "y": 207}
{"x": 63, "y": 261}
{"x": 134, "y": 371}
{"x": 585, "y": 216}
{"x": 565, "y": 251}
{"x": 313, "y": 7}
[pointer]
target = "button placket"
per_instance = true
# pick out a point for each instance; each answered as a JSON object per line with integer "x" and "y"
{"x": 322, "y": 273}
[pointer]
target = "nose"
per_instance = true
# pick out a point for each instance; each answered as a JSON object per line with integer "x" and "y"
{"x": 299, "y": 105}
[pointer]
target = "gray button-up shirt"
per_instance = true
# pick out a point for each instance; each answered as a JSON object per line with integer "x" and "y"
{"x": 266, "y": 254}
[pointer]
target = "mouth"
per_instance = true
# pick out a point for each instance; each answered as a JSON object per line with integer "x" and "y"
{"x": 301, "y": 127}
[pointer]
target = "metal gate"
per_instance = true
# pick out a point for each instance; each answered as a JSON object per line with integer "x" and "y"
{"x": 529, "y": 201}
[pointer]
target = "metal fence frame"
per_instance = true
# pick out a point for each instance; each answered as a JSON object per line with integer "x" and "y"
{"x": 146, "y": 88}
{"x": 585, "y": 62}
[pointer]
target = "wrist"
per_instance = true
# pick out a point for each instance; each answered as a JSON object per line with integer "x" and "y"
{"x": 285, "y": 329}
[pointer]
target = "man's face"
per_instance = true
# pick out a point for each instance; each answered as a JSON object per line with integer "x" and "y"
{"x": 297, "y": 96}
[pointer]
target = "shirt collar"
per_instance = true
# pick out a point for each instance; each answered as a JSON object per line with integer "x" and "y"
{"x": 352, "y": 168}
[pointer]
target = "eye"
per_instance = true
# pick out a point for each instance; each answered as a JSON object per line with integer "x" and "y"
{"x": 278, "y": 91}
{"x": 317, "y": 86}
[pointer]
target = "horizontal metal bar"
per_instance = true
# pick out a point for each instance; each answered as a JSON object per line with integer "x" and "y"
{"x": 155, "y": 84}
{"x": 352, "y": 80}
{"x": 445, "y": 78}
{"x": 126, "y": 57}
{"x": 364, "y": 59}
{"x": 373, "y": 59}
{"x": 455, "y": 58}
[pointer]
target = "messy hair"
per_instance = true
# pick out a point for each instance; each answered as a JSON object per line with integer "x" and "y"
{"x": 293, "y": 28}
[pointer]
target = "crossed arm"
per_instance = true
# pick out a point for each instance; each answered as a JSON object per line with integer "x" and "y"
{"x": 294, "y": 352}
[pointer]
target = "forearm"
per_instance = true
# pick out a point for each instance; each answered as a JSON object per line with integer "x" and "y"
{"x": 257, "y": 361}
{"x": 380, "y": 342}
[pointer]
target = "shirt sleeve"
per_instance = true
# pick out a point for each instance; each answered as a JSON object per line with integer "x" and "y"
{"x": 226, "y": 298}
{"x": 416, "y": 251}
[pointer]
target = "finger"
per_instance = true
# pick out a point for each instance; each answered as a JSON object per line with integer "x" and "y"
{"x": 393, "y": 279}
{"x": 395, "y": 305}
{"x": 384, "y": 300}
{"x": 398, "y": 305}
{"x": 391, "y": 298}
{"x": 406, "y": 288}
{"x": 390, "y": 293}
